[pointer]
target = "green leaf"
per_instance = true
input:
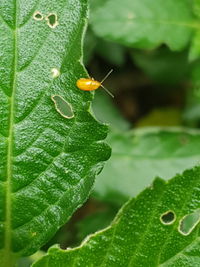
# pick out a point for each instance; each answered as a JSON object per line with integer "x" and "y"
{"x": 162, "y": 65}
{"x": 137, "y": 236}
{"x": 111, "y": 52}
{"x": 106, "y": 111}
{"x": 48, "y": 162}
{"x": 195, "y": 50}
{"x": 196, "y": 7}
{"x": 139, "y": 156}
{"x": 89, "y": 46}
{"x": 27, "y": 261}
{"x": 146, "y": 23}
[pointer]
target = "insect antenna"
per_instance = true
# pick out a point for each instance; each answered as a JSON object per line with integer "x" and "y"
{"x": 107, "y": 91}
{"x": 107, "y": 75}
{"x": 104, "y": 80}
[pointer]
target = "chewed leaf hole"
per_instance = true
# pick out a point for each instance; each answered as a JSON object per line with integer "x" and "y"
{"x": 55, "y": 72}
{"x": 63, "y": 107}
{"x": 38, "y": 16}
{"x": 168, "y": 217}
{"x": 189, "y": 222}
{"x": 52, "y": 20}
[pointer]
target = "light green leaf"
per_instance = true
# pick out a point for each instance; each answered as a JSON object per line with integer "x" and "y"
{"x": 144, "y": 23}
{"x": 137, "y": 236}
{"x": 196, "y": 7}
{"x": 195, "y": 47}
{"x": 48, "y": 162}
{"x": 195, "y": 50}
{"x": 139, "y": 156}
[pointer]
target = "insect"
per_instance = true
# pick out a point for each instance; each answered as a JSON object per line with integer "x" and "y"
{"x": 89, "y": 84}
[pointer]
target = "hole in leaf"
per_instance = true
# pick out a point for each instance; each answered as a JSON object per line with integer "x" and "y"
{"x": 52, "y": 20}
{"x": 189, "y": 222}
{"x": 168, "y": 217}
{"x": 63, "y": 107}
{"x": 38, "y": 16}
{"x": 55, "y": 72}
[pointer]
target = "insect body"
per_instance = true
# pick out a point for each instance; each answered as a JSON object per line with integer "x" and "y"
{"x": 89, "y": 84}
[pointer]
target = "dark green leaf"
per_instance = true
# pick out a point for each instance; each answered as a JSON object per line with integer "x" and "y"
{"x": 111, "y": 52}
{"x": 48, "y": 162}
{"x": 191, "y": 114}
{"x": 137, "y": 236}
{"x": 105, "y": 110}
{"x": 162, "y": 65}
{"x": 89, "y": 46}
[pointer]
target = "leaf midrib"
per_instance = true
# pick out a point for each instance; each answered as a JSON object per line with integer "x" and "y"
{"x": 8, "y": 189}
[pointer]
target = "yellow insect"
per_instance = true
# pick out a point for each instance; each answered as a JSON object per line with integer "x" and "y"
{"x": 89, "y": 84}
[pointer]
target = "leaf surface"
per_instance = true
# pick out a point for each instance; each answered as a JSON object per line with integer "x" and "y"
{"x": 137, "y": 236}
{"x": 144, "y": 24}
{"x": 140, "y": 156}
{"x": 48, "y": 162}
